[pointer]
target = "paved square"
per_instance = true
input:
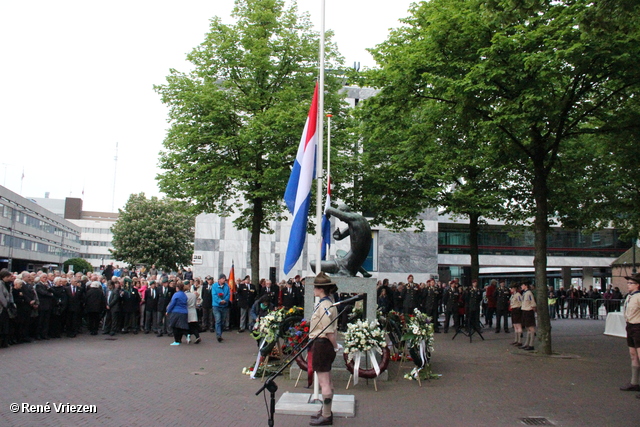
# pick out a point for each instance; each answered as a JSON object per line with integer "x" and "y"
{"x": 139, "y": 380}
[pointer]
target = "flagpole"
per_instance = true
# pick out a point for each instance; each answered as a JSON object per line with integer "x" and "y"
{"x": 319, "y": 169}
{"x": 328, "y": 148}
{"x": 319, "y": 162}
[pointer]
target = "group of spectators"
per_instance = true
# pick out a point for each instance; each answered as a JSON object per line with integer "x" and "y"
{"x": 467, "y": 304}
{"x": 463, "y": 304}
{"x": 582, "y": 303}
{"x": 45, "y": 305}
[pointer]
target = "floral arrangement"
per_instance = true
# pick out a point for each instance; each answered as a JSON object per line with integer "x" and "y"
{"x": 419, "y": 337}
{"x": 296, "y": 336}
{"x": 357, "y": 313}
{"x": 393, "y": 324}
{"x": 361, "y": 337}
{"x": 269, "y": 325}
{"x": 418, "y": 328}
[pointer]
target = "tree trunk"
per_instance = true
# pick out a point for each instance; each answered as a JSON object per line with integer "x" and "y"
{"x": 540, "y": 194}
{"x": 473, "y": 245}
{"x": 256, "y": 227}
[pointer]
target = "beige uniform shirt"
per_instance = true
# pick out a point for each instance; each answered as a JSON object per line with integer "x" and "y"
{"x": 516, "y": 300}
{"x": 528, "y": 301}
{"x": 323, "y": 314}
{"x": 632, "y": 308}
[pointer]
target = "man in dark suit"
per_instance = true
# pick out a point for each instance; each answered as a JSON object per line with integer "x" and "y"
{"x": 246, "y": 297}
{"x": 288, "y": 295}
{"x": 75, "y": 301}
{"x": 45, "y": 295}
{"x": 165, "y": 293}
{"x": 151, "y": 307}
{"x": 272, "y": 290}
{"x": 208, "y": 324}
{"x": 112, "y": 319}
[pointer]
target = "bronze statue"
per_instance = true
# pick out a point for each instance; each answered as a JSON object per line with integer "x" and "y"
{"x": 359, "y": 232}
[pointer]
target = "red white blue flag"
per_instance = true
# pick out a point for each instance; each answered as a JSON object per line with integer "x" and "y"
{"x": 297, "y": 196}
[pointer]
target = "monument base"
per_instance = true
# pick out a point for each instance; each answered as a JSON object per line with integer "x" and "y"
{"x": 344, "y": 405}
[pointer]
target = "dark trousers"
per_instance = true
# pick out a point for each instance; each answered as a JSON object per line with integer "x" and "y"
{"x": 500, "y": 314}
{"x": 74, "y": 322}
{"x": 94, "y": 322}
{"x": 161, "y": 322}
{"x": 112, "y": 322}
{"x": 131, "y": 321}
{"x": 561, "y": 308}
{"x": 178, "y": 333}
{"x": 447, "y": 318}
{"x": 150, "y": 321}
{"x": 208, "y": 323}
{"x": 194, "y": 329}
{"x": 473, "y": 320}
{"x": 488, "y": 318}
{"x": 56, "y": 325}
{"x": 44, "y": 318}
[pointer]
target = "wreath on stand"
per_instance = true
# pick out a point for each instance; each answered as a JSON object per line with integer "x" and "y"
{"x": 419, "y": 338}
{"x": 273, "y": 326}
{"x": 393, "y": 324}
{"x": 362, "y": 338}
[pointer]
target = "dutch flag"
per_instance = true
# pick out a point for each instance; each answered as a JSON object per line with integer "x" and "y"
{"x": 297, "y": 196}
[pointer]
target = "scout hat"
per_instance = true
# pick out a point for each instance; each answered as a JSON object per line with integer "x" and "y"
{"x": 322, "y": 280}
{"x": 635, "y": 278}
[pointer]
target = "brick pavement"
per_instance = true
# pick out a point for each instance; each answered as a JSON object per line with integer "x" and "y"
{"x": 139, "y": 380}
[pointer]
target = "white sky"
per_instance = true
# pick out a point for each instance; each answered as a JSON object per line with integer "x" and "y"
{"x": 77, "y": 76}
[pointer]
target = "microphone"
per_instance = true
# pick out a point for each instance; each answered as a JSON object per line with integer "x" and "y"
{"x": 349, "y": 300}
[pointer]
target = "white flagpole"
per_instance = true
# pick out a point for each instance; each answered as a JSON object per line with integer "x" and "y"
{"x": 328, "y": 148}
{"x": 319, "y": 169}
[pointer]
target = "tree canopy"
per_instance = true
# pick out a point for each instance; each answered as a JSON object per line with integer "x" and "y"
{"x": 154, "y": 231}
{"x": 79, "y": 265}
{"x": 237, "y": 117}
{"x": 528, "y": 82}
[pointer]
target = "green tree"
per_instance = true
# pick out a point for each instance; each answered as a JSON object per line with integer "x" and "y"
{"x": 154, "y": 231}
{"x": 79, "y": 265}
{"x": 534, "y": 77}
{"x": 414, "y": 159}
{"x": 237, "y": 117}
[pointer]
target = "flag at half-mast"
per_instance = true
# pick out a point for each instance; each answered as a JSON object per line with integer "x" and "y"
{"x": 326, "y": 223}
{"x": 297, "y": 196}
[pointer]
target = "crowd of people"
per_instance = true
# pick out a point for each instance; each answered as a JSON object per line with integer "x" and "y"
{"x": 38, "y": 306}
{"x": 467, "y": 305}
{"x": 45, "y": 305}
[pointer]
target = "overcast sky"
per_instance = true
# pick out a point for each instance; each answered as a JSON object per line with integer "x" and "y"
{"x": 77, "y": 77}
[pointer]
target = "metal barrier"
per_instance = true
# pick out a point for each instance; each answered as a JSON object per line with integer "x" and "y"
{"x": 587, "y": 308}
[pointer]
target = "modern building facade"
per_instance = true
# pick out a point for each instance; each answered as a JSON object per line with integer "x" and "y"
{"x": 32, "y": 237}
{"x": 95, "y": 228}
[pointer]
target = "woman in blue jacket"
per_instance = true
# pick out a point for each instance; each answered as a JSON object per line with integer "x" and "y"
{"x": 178, "y": 314}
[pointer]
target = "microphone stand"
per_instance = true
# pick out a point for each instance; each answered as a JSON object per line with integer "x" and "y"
{"x": 272, "y": 387}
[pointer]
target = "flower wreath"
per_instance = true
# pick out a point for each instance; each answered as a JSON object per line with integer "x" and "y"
{"x": 363, "y": 338}
{"x": 419, "y": 337}
{"x": 269, "y": 328}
